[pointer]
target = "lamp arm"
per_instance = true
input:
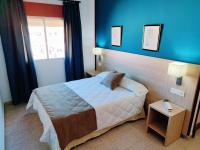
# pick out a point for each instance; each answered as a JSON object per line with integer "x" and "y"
{"x": 179, "y": 81}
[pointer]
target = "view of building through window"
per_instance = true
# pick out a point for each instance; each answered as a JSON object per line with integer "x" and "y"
{"x": 47, "y": 37}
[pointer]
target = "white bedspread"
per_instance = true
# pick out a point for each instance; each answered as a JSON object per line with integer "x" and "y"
{"x": 111, "y": 107}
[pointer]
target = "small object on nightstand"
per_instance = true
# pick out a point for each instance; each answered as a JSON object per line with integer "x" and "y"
{"x": 92, "y": 73}
{"x": 168, "y": 124}
{"x": 167, "y": 105}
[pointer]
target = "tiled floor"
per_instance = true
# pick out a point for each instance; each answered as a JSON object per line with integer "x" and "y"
{"x": 24, "y": 130}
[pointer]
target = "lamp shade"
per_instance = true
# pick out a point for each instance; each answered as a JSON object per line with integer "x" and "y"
{"x": 177, "y": 69}
{"x": 97, "y": 51}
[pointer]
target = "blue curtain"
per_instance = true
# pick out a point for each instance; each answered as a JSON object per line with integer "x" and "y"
{"x": 74, "y": 67}
{"x": 17, "y": 50}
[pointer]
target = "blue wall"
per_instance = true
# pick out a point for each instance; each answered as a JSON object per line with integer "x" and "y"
{"x": 181, "y": 34}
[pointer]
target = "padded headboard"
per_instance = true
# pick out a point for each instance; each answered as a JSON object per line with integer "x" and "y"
{"x": 152, "y": 72}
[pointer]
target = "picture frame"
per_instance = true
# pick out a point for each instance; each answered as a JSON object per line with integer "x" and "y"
{"x": 151, "y": 37}
{"x": 116, "y": 36}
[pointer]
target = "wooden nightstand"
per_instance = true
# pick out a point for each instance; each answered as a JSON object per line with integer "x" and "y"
{"x": 166, "y": 124}
{"x": 92, "y": 73}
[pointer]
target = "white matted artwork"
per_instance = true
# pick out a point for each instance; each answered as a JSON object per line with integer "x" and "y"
{"x": 151, "y": 37}
{"x": 116, "y": 35}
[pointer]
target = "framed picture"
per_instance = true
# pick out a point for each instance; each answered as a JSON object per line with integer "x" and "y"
{"x": 151, "y": 37}
{"x": 116, "y": 35}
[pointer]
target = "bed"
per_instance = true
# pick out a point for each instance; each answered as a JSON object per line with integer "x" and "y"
{"x": 111, "y": 108}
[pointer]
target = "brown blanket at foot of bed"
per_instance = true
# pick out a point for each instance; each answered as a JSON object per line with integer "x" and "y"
{"x": 72, "y": 116}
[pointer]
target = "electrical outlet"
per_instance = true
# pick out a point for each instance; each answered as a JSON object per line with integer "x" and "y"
{"x": 177, "y": 92}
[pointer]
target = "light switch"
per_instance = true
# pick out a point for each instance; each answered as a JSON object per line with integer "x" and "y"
{"x": 177, "y": 92}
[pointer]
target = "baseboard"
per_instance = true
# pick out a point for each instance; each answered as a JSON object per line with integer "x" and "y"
{"x": 2, "y": 140}
{"x": 7, "y": 101}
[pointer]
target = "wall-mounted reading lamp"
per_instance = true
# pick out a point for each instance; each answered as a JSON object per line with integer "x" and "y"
{"x": 98, "y": 52}
{"x": 178, "y": 70}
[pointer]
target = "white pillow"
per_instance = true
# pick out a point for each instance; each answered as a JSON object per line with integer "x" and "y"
{"x": 133, "y": 86}
{"x": 103, "y": 74}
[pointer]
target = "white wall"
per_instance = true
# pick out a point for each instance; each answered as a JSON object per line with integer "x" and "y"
{"x": 4, "y": 85}
{"x": 50, "y": 71}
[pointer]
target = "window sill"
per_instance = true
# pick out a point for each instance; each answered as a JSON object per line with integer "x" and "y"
{"x": 52, "y": 59}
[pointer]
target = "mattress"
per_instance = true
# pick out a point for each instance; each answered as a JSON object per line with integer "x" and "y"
{"x": 112, "y": 107}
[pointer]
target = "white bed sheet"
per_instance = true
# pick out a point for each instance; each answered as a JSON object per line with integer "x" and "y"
{"x": 111, "y": 107}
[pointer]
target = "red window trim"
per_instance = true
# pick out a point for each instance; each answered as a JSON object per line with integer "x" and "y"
{"x": 43, "y": 10}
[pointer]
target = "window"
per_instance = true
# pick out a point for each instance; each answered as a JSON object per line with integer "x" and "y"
{"x": 47, "y": 37}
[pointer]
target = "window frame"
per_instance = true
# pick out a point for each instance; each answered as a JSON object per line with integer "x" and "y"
{"x": 45, "y": 34}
